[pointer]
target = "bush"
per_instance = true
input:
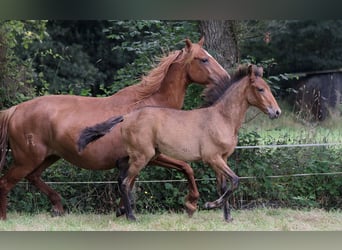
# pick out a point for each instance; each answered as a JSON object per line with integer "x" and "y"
{"x": 255, "y": 166}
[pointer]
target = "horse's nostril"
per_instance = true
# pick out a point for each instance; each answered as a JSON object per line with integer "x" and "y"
{"x": 278, "y": 112}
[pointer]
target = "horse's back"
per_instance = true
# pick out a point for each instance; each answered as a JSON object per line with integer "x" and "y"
{"x": 49, "y": 125}
{"x": 170, "y": 131}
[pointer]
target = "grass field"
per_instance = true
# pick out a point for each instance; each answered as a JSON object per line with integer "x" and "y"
{"x": 289, "y": 126}
{"x": 262, "y": 219}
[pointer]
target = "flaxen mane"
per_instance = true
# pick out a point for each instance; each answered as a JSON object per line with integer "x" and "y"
{"x": 213, "y": 93}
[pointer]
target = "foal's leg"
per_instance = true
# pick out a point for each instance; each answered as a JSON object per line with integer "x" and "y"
{"x": 193, "y": 196}
{"x": 122, "y": 165}
{"x": 35, "y": 179}
{"x": 137, "y": 161}
{"x": 126, "y": 197}
{"x": 221, "y": 188}
{"x": 167, "y": 162}
{"x": 221, "y": 168}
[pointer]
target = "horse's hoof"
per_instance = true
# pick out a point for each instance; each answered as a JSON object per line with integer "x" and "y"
{"x": 56, "y": 213}
{"x": 190, "y": 209}
{"x": 209, "y": 205}
{"x": 131, "y": 218}
{"x": 229, "y": 219}
{"x": 120, "y": 211}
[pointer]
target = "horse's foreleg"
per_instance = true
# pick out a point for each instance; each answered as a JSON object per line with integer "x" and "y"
{"x": 221, "y": 189}
{"x": 35, "y": 179}
{"x": 221, "y": 168}
{"x": 193, "y": 196}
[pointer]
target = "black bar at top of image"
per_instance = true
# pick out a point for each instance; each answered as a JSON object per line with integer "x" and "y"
{"x": 168, "y": 10}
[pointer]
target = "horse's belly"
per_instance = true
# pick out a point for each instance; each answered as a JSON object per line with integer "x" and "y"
{"x": 184, "y": 152}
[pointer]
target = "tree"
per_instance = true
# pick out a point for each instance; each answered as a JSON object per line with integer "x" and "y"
{"x": 78, "y": 58}
{"x": 16, "y": 69}
{"x": 222, "y": 40}
{"x": 297, "y": 45}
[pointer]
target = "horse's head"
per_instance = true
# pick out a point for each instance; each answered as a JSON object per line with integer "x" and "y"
{"x": 201, "y": 67}
{"x": 260, "y": 94}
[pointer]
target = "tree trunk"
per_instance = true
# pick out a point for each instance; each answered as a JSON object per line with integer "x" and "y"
{"x": 221, "y": 40}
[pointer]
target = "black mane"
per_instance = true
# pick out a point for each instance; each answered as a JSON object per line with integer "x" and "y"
{"x": 213, "y": 93}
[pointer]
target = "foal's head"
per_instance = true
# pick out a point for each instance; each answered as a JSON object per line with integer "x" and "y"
{"x": 201, "y": 67}
{"x": 259, "y": 93}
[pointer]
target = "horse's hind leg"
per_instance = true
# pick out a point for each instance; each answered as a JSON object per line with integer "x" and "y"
{"x": 122, "y": 165}
{"x": 193, "y": 196}
{"x": 137, "y": 162}
{"x": 8, "y": 181}
{"x": 125, "y": 190}
{"x": 35, "y": 179}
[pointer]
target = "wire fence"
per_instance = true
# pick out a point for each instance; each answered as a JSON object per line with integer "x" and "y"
{"x": 333, "y": 144}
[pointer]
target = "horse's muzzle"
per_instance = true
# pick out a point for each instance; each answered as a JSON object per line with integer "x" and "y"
{"x": 273, "y": 113}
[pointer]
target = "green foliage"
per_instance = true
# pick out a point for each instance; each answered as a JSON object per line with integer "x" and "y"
{"x": 81, "y": 57}
{"x": 296, "y": 45}
{"x": 140, "y": 42}
{"x": 75, "y": 59}
{"x": 16, "y": 71}
{"x": 257, "y": 187}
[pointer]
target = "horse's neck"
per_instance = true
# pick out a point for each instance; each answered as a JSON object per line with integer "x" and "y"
{"x": 233, "y": 106}
{"x": 124, "y": 96}
{"x": 173, "y": 87}
{"x": 170, "y": 94}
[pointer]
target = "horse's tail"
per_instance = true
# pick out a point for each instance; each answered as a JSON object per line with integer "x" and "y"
{"x": 93, "y": 133}
{"x": 5, "y": 117}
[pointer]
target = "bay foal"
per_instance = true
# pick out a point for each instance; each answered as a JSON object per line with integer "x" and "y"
{"x": 208, "y": 134}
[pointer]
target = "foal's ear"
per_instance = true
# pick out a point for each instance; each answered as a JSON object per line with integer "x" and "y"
{"x": 250, "y": 69}
{"x": 261, "y": 71}
{"x": 201, "y": 41}
{"x": 251, "y": 73}
{"x": 188, "y": 44}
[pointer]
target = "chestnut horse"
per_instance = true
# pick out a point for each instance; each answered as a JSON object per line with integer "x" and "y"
{"x": 208, "y": 134}
{"x": 45, "y": 129}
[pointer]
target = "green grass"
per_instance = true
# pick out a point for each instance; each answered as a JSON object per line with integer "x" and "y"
{"x": 262, "y": 219}
{"x": 288, "y": 125}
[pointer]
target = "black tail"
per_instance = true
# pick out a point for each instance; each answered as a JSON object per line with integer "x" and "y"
{"x": 93, "y": 133}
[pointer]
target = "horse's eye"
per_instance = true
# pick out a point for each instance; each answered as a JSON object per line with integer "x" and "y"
{"x": 260, "y": 89}
{"x": 204, "y": 60}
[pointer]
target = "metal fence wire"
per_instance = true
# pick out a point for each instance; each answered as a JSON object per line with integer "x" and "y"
{"x": 334, "y": 144}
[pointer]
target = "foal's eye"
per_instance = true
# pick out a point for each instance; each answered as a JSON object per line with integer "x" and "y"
{"x": 204, "y": 60}
{"x": 261, "y": 90}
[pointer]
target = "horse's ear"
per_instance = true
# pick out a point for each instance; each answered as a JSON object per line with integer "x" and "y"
{"x": 201, "y": 41}
{"x": 188, "y": 44}
{"x": 249, "y": 69}
{"x": 251, "y": 73}
{"x": 261, "y": 71}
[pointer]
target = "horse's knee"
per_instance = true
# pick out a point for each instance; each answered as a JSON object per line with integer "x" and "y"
{"x": 235, "y": 182}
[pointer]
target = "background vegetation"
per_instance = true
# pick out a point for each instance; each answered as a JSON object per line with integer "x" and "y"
{"x": 97, "y": 58}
